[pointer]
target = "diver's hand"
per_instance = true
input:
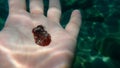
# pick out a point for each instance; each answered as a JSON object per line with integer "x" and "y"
{"x": 17, "y": 46}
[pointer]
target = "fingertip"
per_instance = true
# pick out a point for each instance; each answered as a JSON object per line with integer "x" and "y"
{"x": 76, "y": 11}
{"x": 75, "y": 16}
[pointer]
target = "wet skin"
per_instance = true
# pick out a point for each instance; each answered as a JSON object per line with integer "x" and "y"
{"x": 17, "y": 45}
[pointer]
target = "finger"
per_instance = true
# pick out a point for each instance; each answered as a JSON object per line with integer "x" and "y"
{"x": 17, "y": 5}
{"x": 74, "y": 24}
{"x": 36, "y": 7}
{"x": 54, "y": 11}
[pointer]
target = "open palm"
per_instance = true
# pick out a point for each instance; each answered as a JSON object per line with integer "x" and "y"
{"x": 17, "y": 46}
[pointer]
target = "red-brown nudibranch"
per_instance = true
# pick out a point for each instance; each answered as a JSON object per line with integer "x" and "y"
{"x": 41, "y": 36}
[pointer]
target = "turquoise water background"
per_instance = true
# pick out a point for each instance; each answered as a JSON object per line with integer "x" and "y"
{"x": 98, "y": 43}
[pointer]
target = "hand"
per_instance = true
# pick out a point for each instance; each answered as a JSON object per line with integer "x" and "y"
{"x": 17, "y": 46}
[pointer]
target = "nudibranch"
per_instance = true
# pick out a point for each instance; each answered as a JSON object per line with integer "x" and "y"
{"x": 41, "y": 36}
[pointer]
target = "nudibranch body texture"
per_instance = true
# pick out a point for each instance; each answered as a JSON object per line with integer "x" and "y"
{"x": 41, "y": 36}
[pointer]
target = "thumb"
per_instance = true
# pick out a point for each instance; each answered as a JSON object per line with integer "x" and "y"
{"x": 74, "y": 24}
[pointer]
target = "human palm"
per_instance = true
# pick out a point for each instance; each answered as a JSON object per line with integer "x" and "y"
{"x": 17, "y": 46}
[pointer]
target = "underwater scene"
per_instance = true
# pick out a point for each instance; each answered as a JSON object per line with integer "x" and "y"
{"x": 98, "y": 43}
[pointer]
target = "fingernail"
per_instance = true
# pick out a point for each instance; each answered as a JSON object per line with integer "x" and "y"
{"x": 77, "y": 11}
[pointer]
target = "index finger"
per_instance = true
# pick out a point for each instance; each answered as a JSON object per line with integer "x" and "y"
{"x": 54, "y": 11}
